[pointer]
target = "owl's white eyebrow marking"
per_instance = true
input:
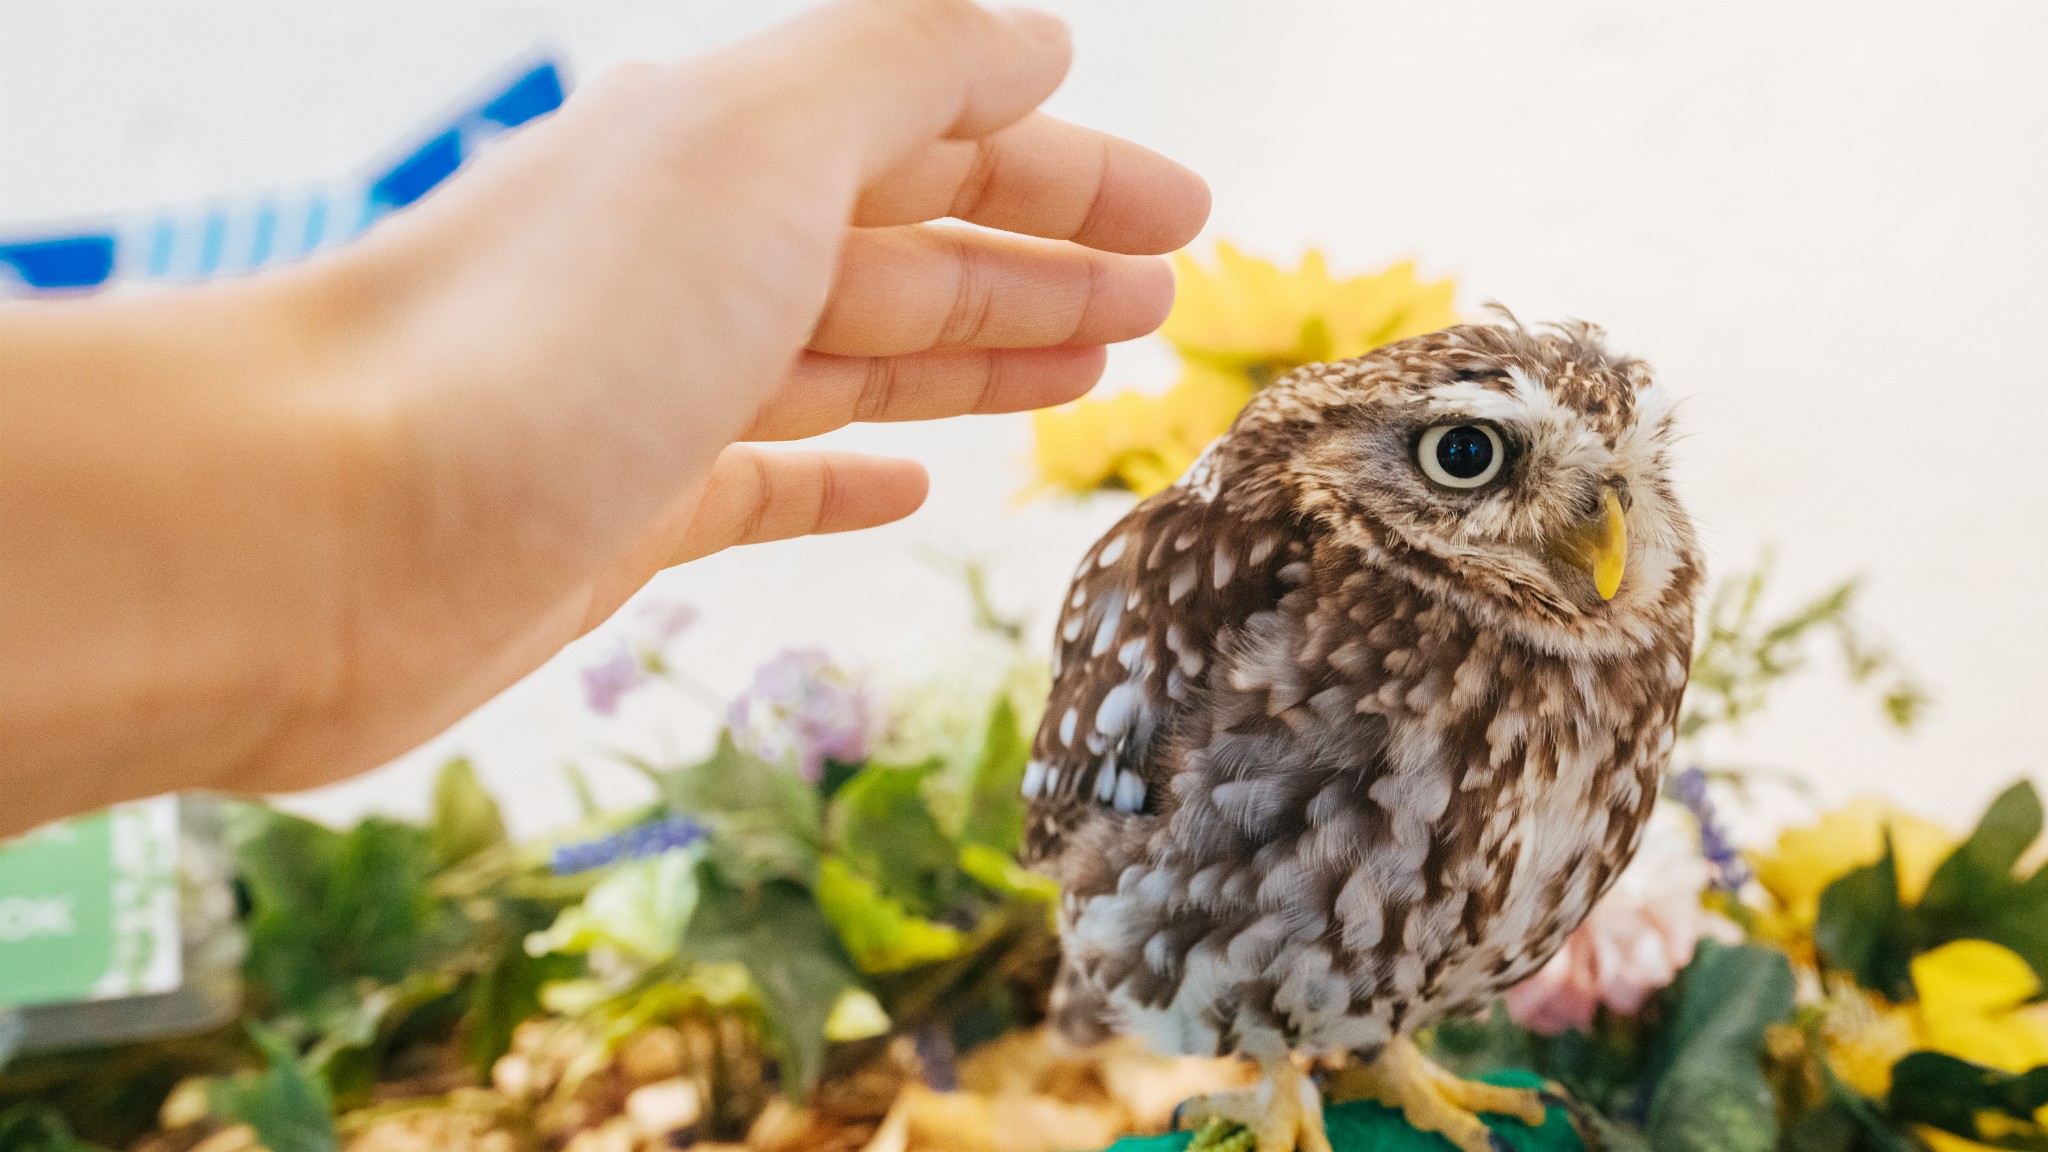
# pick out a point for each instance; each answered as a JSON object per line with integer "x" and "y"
{"x": 1067, "y": 724}
{"x": 1112, "y": 552}
{"x": 1224, "y": 567}
{"x": 1130, "y": 791}
{"x": 1034, "y": 778}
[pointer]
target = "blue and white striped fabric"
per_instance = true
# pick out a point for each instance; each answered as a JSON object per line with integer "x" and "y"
{"x": 230, "y": 237}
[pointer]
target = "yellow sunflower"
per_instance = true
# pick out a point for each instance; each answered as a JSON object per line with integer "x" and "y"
{"x": 1237, "y": 327}
{"x": 1253, "y": 316}
{"x": 1135, "y": 442}
{"x": 1807, "y": 860}
{"x": 1973, "y": 1005}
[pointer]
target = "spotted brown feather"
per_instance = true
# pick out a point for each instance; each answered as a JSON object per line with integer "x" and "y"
{"x": 1332, "y": 751}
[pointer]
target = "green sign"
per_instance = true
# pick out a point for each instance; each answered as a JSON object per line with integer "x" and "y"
{"x": 89, "y": 907}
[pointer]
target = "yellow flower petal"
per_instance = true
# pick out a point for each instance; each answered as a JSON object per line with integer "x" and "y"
{"x": 1972, "y": 976}
{"x": 1809, "y": 859}
{"x": 1251, "y": 315}
{"x": 1132, "y": 441}
{"x": 1939, "y": 1141}
{"x": 1970, "y": 992}
{"x": 1237, "y": 325}
{"x": 1865, "y": 1036}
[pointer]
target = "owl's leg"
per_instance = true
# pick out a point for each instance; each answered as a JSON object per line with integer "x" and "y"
{"x": 1284, "y": 1113}
{"x": 1432, "y": 1099}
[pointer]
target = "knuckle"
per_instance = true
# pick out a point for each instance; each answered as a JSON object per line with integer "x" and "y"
{"x": 973, "y": 292}
{"x": 945, "y": 26}
{"x": 878, "y": 390}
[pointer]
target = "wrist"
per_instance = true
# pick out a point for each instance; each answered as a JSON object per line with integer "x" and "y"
{"x": 173, "y": 499}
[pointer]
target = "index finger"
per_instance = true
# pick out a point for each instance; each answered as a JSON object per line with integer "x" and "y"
{"x": 1045, "y": 177}
{"x": 879, "y": 79}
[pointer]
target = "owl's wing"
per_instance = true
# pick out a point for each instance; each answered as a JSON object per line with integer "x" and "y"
{"x": 1139, "y": 635}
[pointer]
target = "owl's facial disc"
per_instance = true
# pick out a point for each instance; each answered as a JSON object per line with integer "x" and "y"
{"x": 1599, "y": 546}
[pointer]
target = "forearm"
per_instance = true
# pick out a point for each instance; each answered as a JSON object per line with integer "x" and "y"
{"x": 171, "y": 510}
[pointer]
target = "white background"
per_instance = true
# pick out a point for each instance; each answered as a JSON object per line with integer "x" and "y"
{"x": 1827, "y": 226}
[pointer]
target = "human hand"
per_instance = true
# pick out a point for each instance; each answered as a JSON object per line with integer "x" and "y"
{"x": 569, "y": 347}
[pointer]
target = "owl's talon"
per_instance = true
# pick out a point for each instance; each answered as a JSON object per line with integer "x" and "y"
{"x": 1433, "y": 1100}
{"x": 1284, "y": 1113}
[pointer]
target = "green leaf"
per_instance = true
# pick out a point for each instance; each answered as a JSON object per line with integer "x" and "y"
{"x": 1862, "y": 930}
{"x": 1844, "y": 1121}
{"x": 640, "y": 908}
{"x": 883, "y": 828}
{"x": 1983, "y": 864}
{"x": 1975, "y": 894}
{"x": 329, "y": 908}
{"x": 507, "y": 988}
{"x": 764, "y": 818}
{"x": 37, "y": 1127}
{"x": 356, "y": 1040}
{"x": 288, "y": 1108}
{"x": 1714, "y": 1096}
{"x": 793, "y": 955}
{"x": 466, "y": 820}
{"x": 1000, "y": 873}
{"x": 1956, "y": 1096}
{"x": 995, "y": 796}
{"x": 876, "y": 930}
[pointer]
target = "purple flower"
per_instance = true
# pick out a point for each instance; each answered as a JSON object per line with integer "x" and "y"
{"x": 638, "y": 657}
{"x": 1730, "y": 873}
{"x": 804, "y": 706}
{"x": 604, "y": 685}
{"x": 651, "y": 838}
{"x": 666, "y": 621}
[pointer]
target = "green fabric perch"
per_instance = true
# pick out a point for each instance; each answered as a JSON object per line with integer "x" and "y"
{"x": 1369, "y": 1126}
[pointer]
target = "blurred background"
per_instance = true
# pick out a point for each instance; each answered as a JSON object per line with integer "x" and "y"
{"x": 1822, "y": 224}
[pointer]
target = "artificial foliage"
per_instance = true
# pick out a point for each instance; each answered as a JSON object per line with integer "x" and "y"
{"x": 815, "y": 934}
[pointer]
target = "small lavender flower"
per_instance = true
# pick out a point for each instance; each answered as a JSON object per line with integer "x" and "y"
{"x": 638, "y": 658}
{"x": 801, "y": 704}
{"x": 1730, "y": 872}
{"x": 666, "y": 621}
{"x": 650, "y": 838}
{"x": 605, "y": 684}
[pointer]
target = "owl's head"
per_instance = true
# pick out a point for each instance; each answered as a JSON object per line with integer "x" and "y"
{"x": 1525, "y": 473}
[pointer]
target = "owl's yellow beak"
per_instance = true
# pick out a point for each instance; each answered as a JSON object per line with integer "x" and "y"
{"x": 1600, "y": 546}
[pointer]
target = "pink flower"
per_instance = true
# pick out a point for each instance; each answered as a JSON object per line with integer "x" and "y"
{"x": 1635, "y": 942}
{"x": 803, "y": 705}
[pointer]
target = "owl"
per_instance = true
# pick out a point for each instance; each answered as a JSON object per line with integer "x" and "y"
{"x": 1351, "y": 726}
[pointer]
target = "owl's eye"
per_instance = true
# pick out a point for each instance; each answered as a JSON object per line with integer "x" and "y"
{"x": 1460, "y": 455}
